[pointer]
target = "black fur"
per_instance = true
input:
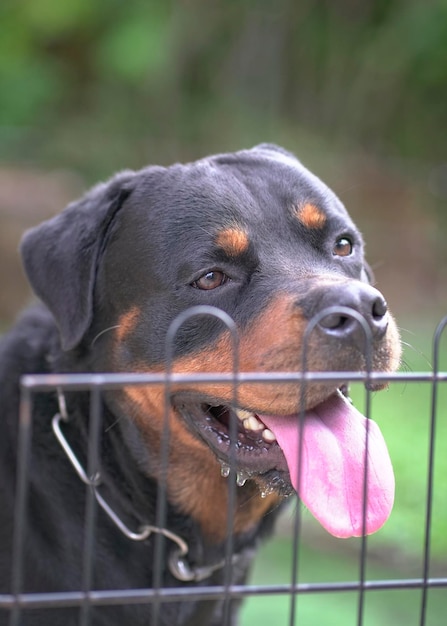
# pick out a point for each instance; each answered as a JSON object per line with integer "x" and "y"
{"x": 142, "y": 240}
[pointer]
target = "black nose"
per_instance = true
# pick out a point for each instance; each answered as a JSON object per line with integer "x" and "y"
{"x": 361, "y": 298}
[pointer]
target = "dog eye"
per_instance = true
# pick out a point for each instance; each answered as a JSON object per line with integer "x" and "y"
{"x": 211, "y": 280}
{"x": 343, "y": 247}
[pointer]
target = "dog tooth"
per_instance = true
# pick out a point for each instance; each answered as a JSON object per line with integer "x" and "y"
{"x": 268, "y": 436}
{"x": 252, "y": 423}
{"x": 243, "y": 414}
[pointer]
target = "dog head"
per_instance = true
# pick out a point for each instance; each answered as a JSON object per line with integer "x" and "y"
{"x": 256, "y": 236}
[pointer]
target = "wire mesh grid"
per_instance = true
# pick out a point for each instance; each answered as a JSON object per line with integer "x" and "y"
{"x": 15, "y": 603}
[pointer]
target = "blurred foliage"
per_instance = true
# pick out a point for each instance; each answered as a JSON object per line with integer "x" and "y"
{"x": 97, "y": 85}
{"x": 110, "y": 83}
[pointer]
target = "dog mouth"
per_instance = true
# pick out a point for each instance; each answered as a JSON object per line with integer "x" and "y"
{"x": 331, "y": 455}
{"x": 240, "y": 441}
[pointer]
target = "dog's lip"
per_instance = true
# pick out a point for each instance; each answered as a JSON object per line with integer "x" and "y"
{"x": 254, "y": 452}
{"x": 250, "y": 455}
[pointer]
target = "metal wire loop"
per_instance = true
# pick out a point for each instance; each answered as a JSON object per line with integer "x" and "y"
{"x": 178, "y": 565}
{"x": 93, "y": 481}
{"x": 195, "y": 311}
{"x": 348, "y": 312}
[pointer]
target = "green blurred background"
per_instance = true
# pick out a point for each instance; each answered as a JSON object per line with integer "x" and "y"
{"x": 358, "y": 90}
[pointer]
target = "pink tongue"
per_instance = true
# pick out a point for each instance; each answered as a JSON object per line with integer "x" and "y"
{"x": 330, "y": 476}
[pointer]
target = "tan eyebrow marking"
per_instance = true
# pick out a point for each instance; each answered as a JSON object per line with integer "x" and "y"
{"x": 310, "y": 216}
{"x": 127, "y": 323}
{"x": 233, "y": 241}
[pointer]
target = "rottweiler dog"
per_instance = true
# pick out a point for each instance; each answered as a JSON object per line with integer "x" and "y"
{"x": 256, "y": 236}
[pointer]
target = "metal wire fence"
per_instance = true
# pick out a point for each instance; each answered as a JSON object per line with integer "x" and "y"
{"x": 15, "y": 603}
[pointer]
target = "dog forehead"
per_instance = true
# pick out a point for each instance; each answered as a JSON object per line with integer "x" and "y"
{"x": 233, "y": 189}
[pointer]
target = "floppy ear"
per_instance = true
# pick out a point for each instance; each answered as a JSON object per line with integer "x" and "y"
{"x": 60, "y": 256}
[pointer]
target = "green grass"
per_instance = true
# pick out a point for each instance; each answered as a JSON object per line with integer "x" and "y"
{"x": 396, "y": 551}
{"x": 403, "y": 413}
{"x": 381, "y": 608}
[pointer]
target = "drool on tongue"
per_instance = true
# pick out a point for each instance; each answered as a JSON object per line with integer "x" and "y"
{"x": 330, "y": 475}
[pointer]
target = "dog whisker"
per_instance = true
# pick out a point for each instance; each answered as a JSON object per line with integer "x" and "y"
{"x": 416, "y": 351}
{"x": 112, "y": 425}
{"x": 106, "y": 330}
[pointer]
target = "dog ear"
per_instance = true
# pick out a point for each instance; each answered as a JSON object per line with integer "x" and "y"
{"x": 60, "y": 256}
